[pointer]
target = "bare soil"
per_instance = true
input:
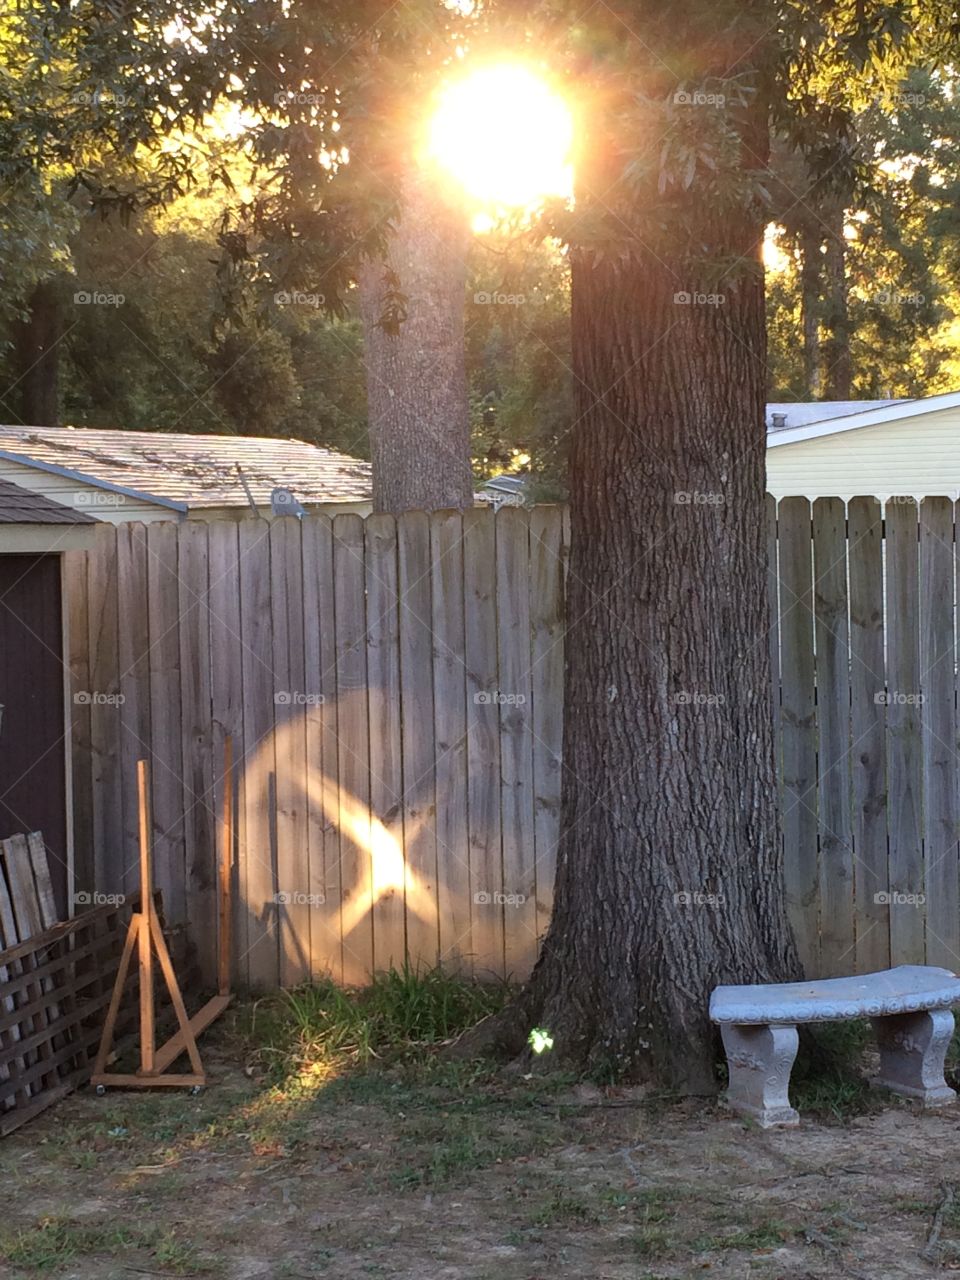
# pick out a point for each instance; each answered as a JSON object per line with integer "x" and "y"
{"x": 460, "y": 1175}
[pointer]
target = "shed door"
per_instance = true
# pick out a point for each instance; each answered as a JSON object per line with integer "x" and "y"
{"x": 32, "y": 751}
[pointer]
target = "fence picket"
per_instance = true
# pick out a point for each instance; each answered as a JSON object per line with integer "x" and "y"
{"x": 257, "y": 852}
{"x": 419, "y": 749}
{"x": 904, "y": 781}
{"x": 353, "y": 734}
{"x": 450, "y": 728}
{"x": 939, "y": 721}
{"x": 867, "y": 680}
{"x": 386, "y": 769}
{"x": 833, "y": 727}
{"x": 546, "y": 679}
{"x": 798, "y": 727}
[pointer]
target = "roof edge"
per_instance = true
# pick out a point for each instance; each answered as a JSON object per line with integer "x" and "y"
{"x": 94, "y": 481}
{"x": 868, "y": 418}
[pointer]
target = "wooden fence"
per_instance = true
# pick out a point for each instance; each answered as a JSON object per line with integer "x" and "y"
{"x": 394, "y": 692}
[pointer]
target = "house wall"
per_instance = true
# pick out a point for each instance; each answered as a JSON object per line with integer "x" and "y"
{"x": 918, "y": 456}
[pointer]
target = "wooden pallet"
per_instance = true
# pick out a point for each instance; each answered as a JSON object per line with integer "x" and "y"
{"x": 53, "y": 990}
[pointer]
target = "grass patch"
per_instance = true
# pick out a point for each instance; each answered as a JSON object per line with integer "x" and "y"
{"x": 827, "y": 1077}
{"x": 403, "y": 1016}
{"x": 55, "y": 1242}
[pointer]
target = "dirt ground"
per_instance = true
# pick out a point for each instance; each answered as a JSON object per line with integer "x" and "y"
{"x": 468, "y": 1175}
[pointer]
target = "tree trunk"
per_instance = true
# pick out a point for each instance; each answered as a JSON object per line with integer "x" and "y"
{"x": 669, "y": 875}
{"x": 810, "y": 268}
{"x": 416, "y": 375}
{"x": 837, "y": 369}
{"x": 38, "y": 358}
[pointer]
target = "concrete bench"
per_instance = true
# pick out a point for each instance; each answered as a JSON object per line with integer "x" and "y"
{"x": 910, "y": 1010}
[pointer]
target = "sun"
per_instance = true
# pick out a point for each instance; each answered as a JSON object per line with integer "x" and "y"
{"x": 505, "y": 135}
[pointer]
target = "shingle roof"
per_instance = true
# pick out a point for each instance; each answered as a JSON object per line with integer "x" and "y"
{"x": 198, "y": 470}
{"x": 20, "y": 506}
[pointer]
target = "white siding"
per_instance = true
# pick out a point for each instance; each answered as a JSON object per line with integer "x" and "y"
{"x": 918, "y": 456}
{"x": 114, "y": 508}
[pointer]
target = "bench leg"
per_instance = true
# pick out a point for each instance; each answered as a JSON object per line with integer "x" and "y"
{"x": 912, "y": 1049}
{"x": 760, "y": 1060}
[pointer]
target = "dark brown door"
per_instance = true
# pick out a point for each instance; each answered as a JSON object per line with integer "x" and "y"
{"x": 32, "y": 753}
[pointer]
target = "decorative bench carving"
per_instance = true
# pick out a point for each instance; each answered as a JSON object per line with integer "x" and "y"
{"x": 910, "y": 1010}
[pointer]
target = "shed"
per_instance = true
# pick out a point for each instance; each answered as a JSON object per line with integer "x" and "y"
{"x": 122, "y": 476}
{"x": 35, "y": 749}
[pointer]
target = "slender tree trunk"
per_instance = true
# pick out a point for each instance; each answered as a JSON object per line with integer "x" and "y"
{"x": 38, "y": 358}
{"x": 416, "y": 375}
{"x": 810, "y": 269}
{"x": 837, "y": 367}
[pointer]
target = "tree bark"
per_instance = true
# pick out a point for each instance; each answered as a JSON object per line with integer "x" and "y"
{"x": 669, "y": 877}
{"x": 38, "y": 358}
{"x": 810, "y": 268}
{"x": 416, "y": 376}
{"x": 837, "y": 367}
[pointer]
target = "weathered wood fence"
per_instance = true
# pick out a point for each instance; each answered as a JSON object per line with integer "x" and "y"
{"x": 394, "y": 692}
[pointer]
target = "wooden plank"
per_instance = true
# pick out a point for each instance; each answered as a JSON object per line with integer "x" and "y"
{"x": 450, "y": 732}
{"x": 197, "y": 759}
{"x": 773, "y": 635}
{"x": 163, "y": 603}
{"x": 483, "y": 740}
{"x": 868, "y": 755}
{"x": 386, "y": 771}
{"x": 226, "y": 693}
{"x": 837, "y": 942}
{"x": 353, "y": 731}
{"x": 290, "y": 698}
{"x": 798, "y": 720}
{"x": 941, "y": 869}
{"x": 419, "y": 746}
{"x": 147, "y": 918}
{"x": 108, "y": 859}
{"x": 904, "y": 777}
{"x": 202, "y": 1019}
{"x": 258, "y": 885}
{"x": 42, "y": 880}
{"x": 78, "y": 632}
{"x": 323, "y": 813}
{"x": 134, "y": 711}
{"x": 514, "y": 694}
{"x": 546, "y": 621}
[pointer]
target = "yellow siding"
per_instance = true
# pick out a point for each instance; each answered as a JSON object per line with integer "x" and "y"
{"x": 918, "y": 456}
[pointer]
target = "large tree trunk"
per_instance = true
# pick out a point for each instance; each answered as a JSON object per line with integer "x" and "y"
{"x": 669, "y": 876}
{"x": 38, "y": 358}
{"x": 416, "y": 372}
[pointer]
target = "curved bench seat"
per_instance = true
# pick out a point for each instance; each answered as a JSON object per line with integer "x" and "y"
{"x": 909, "y": 1007}
{"x": 906, "y": 989}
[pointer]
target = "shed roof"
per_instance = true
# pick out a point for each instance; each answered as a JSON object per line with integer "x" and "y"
{"x": 21, "y": 506}
{"x": 191, "y": 470}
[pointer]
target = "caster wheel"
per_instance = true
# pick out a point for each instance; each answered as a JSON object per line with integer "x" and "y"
{"x": 196, "y": 1091}
{"x": 101, "y": 1090}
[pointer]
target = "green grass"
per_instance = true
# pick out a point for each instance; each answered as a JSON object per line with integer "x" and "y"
{"x": 403, "y": 1016}
{"x": 827, "y": 1079}
{"x": 55, "y": 1242}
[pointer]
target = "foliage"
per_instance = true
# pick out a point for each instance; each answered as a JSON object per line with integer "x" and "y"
{"x": 401, "y": 1017}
